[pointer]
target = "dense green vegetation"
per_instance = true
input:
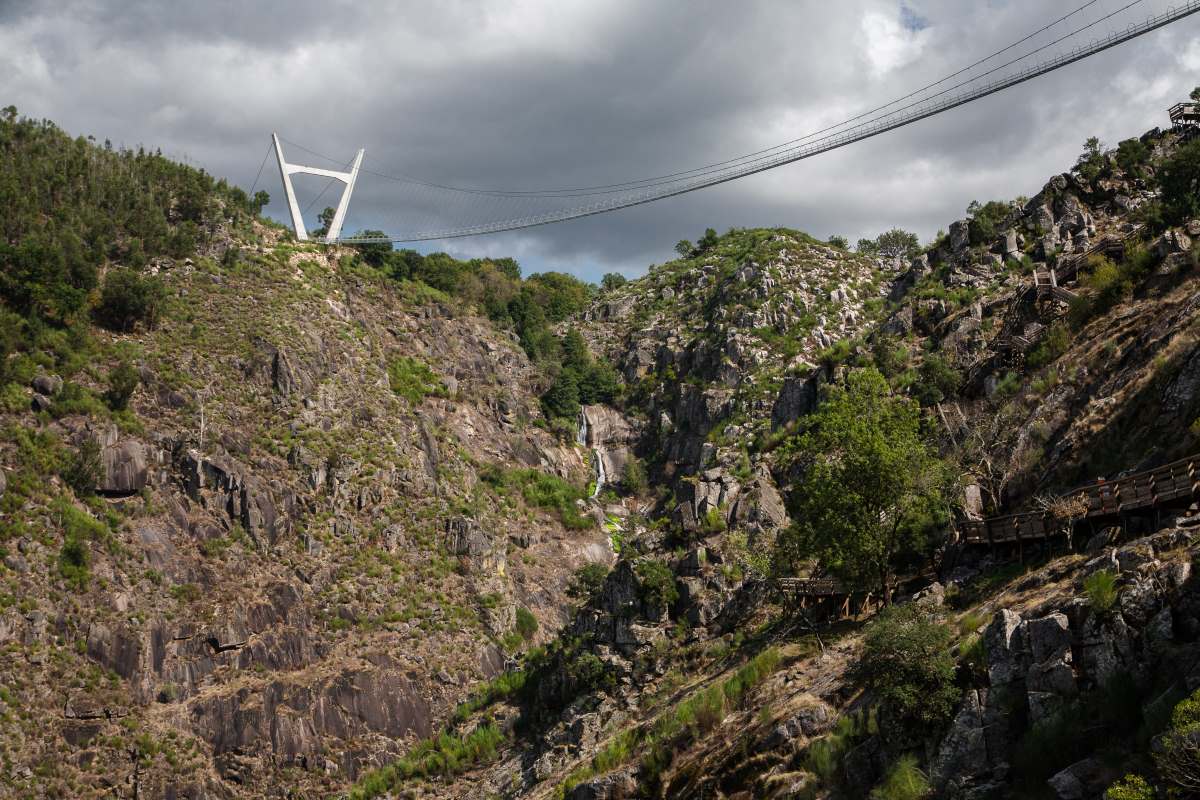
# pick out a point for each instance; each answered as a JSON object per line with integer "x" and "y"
{"x": 539, "y": 490}
{"x": 656, "y": 583}
{"x": 413, "y": 380}
{"x": 871, "y": 489}
{"x": 581, "y": 380}
{"x": 72, "y": 210}
{"x": 907, "y": 665}
{"x": 984, "y": 220}
{"x": 81, "y": 225}
{"x": 1179, "y": 180}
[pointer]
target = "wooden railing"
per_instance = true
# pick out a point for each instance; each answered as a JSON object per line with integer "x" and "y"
{"x": 1111, "y": 245}
{"x": 1149, "y": 489}
{"x": 811, "y": 587}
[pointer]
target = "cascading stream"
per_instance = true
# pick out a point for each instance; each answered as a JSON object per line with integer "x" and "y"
{"x": 597, "y": 456}
{"x": 601, "y": 476}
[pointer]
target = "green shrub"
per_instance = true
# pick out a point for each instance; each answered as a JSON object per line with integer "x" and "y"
{"x": 539, "y": 490}
{"x": 903, "y": 781}
{"x": 1009, "y": 385}
{"x": 123, "y": 380}
{"x": 561, "y": 400}
{"x": 612, "y": 280}
{"x": 587, "y": 580}
{"x": 527, "y": 624}
{"x": 714, "y": 521}
{"x": 907, "y": 664}
{"x": 1179, "y": 178}
{"x": 701, "y": 712}
{"x": 1054, "y": 343}
{"x": 656, "y": 583}
{"x": 190, "y": 593}
{"x": 502, "y": 687}
{"x": 823, "y": 757}
{"x": 129, "y": 298}
{"x": 84, "y": 469}
{"x": 1131, "y": 787}
{"x": 633, "y": 478}
{"x": 1178, "y": 754}
{"x": 74, "y": 399}
{"x": 936, "y": 380}
{"x": 1101, "y": 590}
{"x": 444, "y": 755}
{"x": 984, "y": 225}
{"x": 413, "y": 380}
{"x": 73, "y": 563}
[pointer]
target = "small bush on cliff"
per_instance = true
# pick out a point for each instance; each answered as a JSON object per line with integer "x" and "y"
{"x": 1179, "y": 179}
{"x": 73, "y": 563}
{"x": 84, "y": 469}
{"x": 1101, "y": 591}
{"x": 904, "y": 781}
{"x": 656, "y": 583}
{"x": 1178, "y": 758}
{"x": 527, "y": 624}
{"x": 985, "y": 220}
{"x": 413, "y": 380}
{"x": 907, "y": 664}
{"x": 1131, "y": 787}
{"x": 633, "y": 479}
{"x": 1055, "y": 342}
{"x": 123, "y": 380}
{"x": 937, "y": 379}
{"x": 587, "y": 580}
{"x": 128, "y": 299}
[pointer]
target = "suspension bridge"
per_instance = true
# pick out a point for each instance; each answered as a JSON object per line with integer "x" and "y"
{"x": 434, "y": 211}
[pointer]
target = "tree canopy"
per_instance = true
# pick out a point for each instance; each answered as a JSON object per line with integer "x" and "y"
{"x": 894, "y": 243}
{"x": 870, "y": 491}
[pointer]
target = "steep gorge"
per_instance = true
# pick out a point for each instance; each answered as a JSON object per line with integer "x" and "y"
{"x": 331, "y": 543}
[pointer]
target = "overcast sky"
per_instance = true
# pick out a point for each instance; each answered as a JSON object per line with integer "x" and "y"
{"x": 534, "y": 93}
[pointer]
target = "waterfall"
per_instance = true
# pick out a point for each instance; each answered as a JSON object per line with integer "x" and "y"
{"x": 582, "y": 436}
{"x": 601, "y": 476}
{"x": 597, "y": 457}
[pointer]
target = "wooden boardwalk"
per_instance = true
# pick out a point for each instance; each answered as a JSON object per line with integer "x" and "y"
{"x": 1172, "y": 484}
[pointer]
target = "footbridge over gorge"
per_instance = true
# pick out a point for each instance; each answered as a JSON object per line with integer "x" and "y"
{"x": 430, "y": 210}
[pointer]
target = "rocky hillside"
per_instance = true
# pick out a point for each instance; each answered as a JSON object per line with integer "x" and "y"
{"x": 283, "y": 520}
{"x": 262, "y": 538}
{"x": 1048, "y": 341}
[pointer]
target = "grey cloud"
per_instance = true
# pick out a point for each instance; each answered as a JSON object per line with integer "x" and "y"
{"x": 527, "y": 95}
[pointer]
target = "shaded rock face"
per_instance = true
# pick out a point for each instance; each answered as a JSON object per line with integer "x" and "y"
{"x": 1038, "y": 664}
{"x": 797, "y": 398}
{"x": 126, "y": 470}
{"x": 224, "y": 486}
{"x": 289, "y": 723}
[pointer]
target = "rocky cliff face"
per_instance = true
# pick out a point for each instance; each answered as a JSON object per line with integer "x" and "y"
{"x": 301, "y": 570}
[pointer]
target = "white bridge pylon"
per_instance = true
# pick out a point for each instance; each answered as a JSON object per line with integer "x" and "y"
{"x": 286, "y": 171}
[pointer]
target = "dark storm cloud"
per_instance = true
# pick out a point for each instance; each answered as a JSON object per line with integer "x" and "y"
{"x": 531, "y": 94}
